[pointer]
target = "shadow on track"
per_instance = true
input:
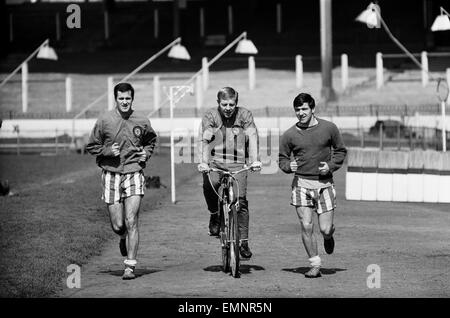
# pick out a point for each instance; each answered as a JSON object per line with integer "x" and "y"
{"x": 138, "y": 272}
{"x": 324, "y": 271}
{"x": 244, "y": 269}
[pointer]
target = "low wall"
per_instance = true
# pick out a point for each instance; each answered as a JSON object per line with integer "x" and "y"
{"x": 402, "y": 176}
{"x": 39, "y": 128}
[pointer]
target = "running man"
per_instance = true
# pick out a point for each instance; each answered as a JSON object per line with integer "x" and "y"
{"x": 123, "y": 142}
{"x": 229, "y": 140}
{"x": 318, "y": 151}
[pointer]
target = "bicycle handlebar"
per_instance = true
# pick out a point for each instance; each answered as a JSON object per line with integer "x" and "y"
{"x": 246, "y": 168}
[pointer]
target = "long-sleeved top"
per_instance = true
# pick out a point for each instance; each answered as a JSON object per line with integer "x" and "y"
{"x": 310, "y": 146}
{"x": 132, "y": 134}
{"x": 228, "y": 140}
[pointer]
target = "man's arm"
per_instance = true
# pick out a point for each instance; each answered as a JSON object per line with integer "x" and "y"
{"x": 284, "y": 154}
{"x": 205, "y": 137}
{"x": 338, "y": 150}
{"x": 96, "y": 144}
{"x": 149, "y": 140}
{"x": 251, "y": 132}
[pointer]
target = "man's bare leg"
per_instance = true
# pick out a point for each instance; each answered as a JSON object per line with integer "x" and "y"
{"x": 132, "y": 206}
{"x": 305, "y": 215}
{"x": 117, "y": 218}
{"x": 307, "y": 225}
{"x": 327, "y": 229}
{"x": 326, "y": 223}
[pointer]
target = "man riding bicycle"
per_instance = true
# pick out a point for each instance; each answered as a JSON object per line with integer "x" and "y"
{"x": 229, "y": 140}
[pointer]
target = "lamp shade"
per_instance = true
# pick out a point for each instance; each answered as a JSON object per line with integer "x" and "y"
{"x": 246, "y": 46}
{"x": 46, "y": 52}
{"x": 369, "y": 16}
{"x": 441, "y": 23}
{"x": 178, "y": 51}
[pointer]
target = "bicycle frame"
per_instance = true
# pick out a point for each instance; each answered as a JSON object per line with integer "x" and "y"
{"x": 229, "y": 233}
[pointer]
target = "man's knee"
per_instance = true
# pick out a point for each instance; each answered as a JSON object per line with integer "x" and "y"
{"x": 307, "y": 227}
{"x": 210, "y": 198}
{"x": 131, "y": 222}
{"x": 119, "y": 229}
{"x": 327, "y": 229}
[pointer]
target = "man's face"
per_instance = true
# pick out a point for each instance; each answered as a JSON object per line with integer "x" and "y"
{"x": 304, "y": 113}
{"x": 124, "y": 101}
{"x": 227, "y": 106}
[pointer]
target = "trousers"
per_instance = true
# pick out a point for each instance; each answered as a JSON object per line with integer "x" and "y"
{"x": 212, "y": 201}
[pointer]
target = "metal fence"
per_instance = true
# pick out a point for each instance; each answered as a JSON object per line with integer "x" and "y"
{"x": 268, "y": 111}
{"x": 393, "y": 137}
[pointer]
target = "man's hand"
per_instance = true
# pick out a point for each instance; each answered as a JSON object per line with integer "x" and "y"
{"x": 115, "y": 148}
{"x": 142, "y": 155}
{"x": 293, "y": 166}
{"x": 203, "y": 167}
{"x": 256, "y": 166}
{"x": 323, "y": 168}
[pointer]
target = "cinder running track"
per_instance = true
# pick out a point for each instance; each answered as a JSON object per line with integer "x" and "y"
{"x": 177, "y": 258}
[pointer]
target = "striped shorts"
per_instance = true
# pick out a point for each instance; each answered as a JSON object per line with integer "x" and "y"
{"x": 322, "y": 200}
{"x": 117, "y": 186}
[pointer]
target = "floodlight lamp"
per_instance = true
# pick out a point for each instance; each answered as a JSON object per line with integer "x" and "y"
{"x": 178, "y": 51}
{"x": 246, "y": 46}
{"x": 442, "y": 22}
{"x": 47, "y": 52}
{"x": 369, "y": 16}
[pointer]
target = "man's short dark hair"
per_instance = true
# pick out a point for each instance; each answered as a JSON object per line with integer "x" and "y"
{"x": 304, "y": 98}
{"x": 123, "y": 87}
{"x": 227, "y": 92}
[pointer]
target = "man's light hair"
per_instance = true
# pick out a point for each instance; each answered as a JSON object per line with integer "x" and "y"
{"x": 227, "y": 93}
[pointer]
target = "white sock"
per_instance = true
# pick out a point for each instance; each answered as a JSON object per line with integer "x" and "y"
{"x": 130, "y": 262}
{"x": 315, "y": 261}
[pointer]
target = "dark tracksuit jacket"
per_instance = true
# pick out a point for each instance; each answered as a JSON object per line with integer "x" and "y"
{"x": 132, "y": 134}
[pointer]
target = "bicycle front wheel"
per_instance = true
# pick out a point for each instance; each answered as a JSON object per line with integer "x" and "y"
{"x": 224, "y": 238}
{"x": 234, "y": 243}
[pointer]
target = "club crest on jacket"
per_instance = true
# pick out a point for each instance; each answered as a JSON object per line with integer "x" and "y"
{"x": 137, "y": 131}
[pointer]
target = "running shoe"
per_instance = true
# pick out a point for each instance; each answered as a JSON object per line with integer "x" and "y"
{"x": 314, "y": 272}
{"x": 128, "y": 273}
{"x": 328, "y": 244}
{"x": 244, "y": 250}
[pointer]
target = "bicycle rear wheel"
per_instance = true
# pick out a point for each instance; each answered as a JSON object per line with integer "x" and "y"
{"x": 224, "y": 238}
{"x": 234, "y": 243}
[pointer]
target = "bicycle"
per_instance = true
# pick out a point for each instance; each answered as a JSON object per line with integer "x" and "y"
{"x": 229, "y": 233}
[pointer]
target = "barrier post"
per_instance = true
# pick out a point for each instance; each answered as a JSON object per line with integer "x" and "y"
{"x": 379, "y": 70}
{"x": 25, "y": 87}
{"x": 298, "y": 71}
{"x": 251, "y": 72}
{"x": 68, "y": 94}
{"x": 424, "y": 61}
{"x": 205, "y": 73}
{"x": 110, "y": 92}
{"x": 344, "y": 70}
{"x": 156, "y": 92}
